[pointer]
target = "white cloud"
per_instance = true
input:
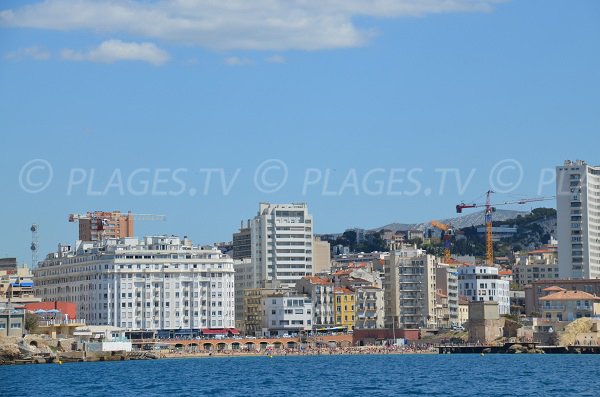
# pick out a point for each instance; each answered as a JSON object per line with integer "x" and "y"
{"x": 111, "y": 51}
{"x": 276, "y": 59}
{"x": 237, "y": 61}
{"x": 35, "y": 53}
{"x": 233, "y": 24}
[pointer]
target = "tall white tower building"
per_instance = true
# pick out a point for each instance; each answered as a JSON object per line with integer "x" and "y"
{"x": 282, "y": 244}
{"x": 578, "y": 207}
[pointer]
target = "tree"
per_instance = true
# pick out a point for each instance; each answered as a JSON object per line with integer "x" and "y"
{"x": 31, "y": 322}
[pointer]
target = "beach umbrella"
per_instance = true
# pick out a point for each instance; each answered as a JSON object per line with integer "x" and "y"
{"x": 53, "y": 311}
{"x": 40, "y": 311}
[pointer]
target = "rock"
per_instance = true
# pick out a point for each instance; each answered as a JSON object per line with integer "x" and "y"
{"x": 517, "y": 349}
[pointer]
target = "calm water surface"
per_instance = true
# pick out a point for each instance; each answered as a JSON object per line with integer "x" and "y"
{"x": 377, "y": 375}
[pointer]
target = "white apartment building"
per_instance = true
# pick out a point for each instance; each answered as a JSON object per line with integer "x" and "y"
{"x": 157, "y": 283}
{"x": 410, "y": 289}
{"x": 369, "y": 305}
{"x": 483, "y": 283}
{"x": 320, "y": 290}
{"x": 578, "y": 219}
{"x": 282, "y": 243}
{"x": 447, "y": 284}
{"x": 286, "y": 313}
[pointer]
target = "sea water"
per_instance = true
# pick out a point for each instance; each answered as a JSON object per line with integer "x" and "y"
{"x": 354, "y": 375}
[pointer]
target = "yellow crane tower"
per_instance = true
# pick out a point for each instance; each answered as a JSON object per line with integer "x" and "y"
{"x": 489, "y": 210}
{"x": 448, "y": 233}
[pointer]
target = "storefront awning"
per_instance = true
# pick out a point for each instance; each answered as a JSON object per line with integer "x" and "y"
{"x": 214, "y": 332}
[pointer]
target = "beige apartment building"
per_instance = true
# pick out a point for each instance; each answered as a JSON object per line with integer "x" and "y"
{"x": 564, "y": 305}
{"x": 410, "y": 287}
{"x": 541, "y": 264}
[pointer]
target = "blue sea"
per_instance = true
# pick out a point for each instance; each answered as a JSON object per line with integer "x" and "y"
{"x": 374, "y": 375}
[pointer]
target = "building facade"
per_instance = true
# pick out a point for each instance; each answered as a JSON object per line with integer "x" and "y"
{"x": 282, "y": 243}
{"x": 254, "y": 313}
{"x": 12, "y": 322}
{"x": 8, "y": 264}
{"x": 345, "y": 309}
{"x": 242, "y": 242}
{"x": 321, "y": 256}
{"x": 286, "y": 313}
{"x": 320, "y": 290}
{"x": 446, "y": 281}
{"x": 17, "y": 287}
{"x": 244, "y": 270}
{"x": 541, "y": 288}
{"x": 157, "y": 283}
{"x": 536, "y": 265}
{"x": 484, "y": 284}
{"x": 410, "y": 287}
{"x": 578, "y": 219}
{"x": 98, "y": 225}
{"x": 370, "y": 311}
{"x": 566, "y": 305}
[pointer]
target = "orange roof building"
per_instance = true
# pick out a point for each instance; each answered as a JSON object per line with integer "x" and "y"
{"x": 569, "y": 305}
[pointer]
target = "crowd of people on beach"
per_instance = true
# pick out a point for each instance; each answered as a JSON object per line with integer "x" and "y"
{"x": 308, "y": 351}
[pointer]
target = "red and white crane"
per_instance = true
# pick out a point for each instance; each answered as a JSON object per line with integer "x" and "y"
{"x": 489, "y": 209}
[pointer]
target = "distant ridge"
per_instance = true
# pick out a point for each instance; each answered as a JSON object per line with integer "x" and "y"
{"x": 459, "y": 222}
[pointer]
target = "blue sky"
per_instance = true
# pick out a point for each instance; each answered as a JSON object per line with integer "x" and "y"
{"x": 366, "y": 104}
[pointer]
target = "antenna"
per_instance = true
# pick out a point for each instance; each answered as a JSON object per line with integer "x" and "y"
{"x": 34, "y": 245}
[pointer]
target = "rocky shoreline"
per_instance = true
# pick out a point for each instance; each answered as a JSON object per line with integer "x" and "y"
{"x": 33, "y": 349}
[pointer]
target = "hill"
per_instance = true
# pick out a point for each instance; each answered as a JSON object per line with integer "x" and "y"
{"x": 459, "y": 222}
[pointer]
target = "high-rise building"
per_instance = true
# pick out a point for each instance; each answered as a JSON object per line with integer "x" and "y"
{"x": 242, "y": 242}
{"x": 578, "y": 208}
{"x": 157, "y": 283}
{"x": 321, "y": 256}
{"x": 410, "y": 289}
{"x": 446, "y": 280}
{"x": 99, "y": 225}
{"x": 282, "y": 243}
{"x": 8, "y": 264}
{"x": 244, "y": 281}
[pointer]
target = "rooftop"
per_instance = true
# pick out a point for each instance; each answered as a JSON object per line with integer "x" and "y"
{"x": 318, "y": 280}
{"x": 569, "y": 296}
{"x": 553, "y": 288}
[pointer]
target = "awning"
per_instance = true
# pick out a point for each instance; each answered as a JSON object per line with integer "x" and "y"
{"x": 214, "y": 332}
{"x": 233, "y": 331}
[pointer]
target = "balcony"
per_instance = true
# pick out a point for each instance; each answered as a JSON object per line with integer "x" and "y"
{"x": 554, "y": 307}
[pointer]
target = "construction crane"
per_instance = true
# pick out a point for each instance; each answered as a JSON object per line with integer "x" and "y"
{"x": 489, "y": 210}
{"x": 448, "y": 233}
